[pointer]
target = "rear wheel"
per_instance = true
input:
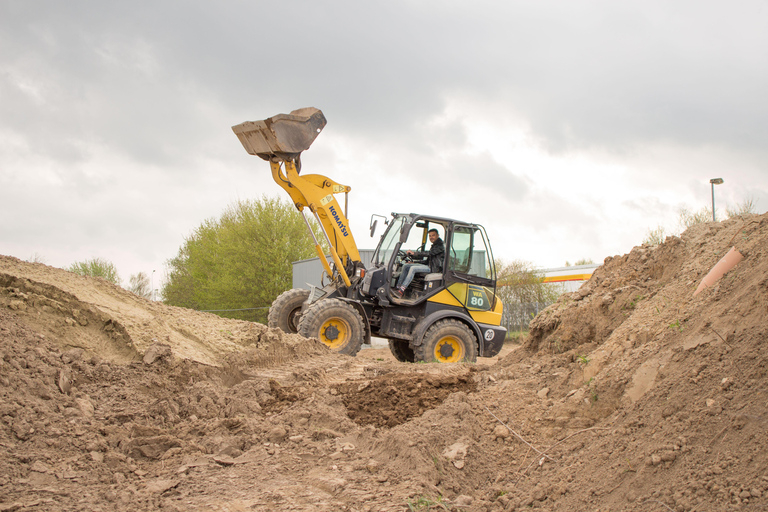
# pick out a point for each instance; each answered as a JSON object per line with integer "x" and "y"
{"x": 335, "y": 323}
{"x": 285, "y": 311}
{"x": 402, "y": 351}
{"x": 448, "y": 341}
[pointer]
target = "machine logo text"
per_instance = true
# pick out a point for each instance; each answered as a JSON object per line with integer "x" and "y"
{"x": 336, "y": 217}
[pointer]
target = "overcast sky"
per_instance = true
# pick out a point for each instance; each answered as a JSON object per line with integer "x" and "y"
{"x": 568, "y": 129}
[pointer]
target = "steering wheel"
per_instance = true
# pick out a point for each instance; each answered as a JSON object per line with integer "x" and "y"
{"x": 404, "y": 256}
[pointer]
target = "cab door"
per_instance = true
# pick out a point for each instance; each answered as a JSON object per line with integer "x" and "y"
{"x": 471, "y": 275}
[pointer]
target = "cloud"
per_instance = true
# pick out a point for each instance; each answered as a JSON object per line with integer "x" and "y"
{"x": 572, "y": 127}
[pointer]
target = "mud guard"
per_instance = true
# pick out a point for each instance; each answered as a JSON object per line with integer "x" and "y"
{"x": 493, "y": 339}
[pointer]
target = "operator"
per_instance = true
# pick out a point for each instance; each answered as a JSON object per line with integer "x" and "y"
{"x": 434, "y": 262}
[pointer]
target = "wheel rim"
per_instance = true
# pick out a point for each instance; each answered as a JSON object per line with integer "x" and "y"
{"x": 334, "y": 332}
{"x": 449, "y": 349}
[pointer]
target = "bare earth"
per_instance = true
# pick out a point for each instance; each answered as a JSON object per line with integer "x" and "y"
{"x": 630, "y": 394}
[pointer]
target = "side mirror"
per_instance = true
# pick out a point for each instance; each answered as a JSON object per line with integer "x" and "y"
{"x": 404, "y": 233}
{"x": 374, "y": 221}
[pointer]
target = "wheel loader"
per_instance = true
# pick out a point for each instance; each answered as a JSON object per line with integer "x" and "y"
{"x": 452, "y": 315}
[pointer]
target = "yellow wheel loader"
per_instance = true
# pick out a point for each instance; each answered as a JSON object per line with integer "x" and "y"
{"x": 449, "y": 313}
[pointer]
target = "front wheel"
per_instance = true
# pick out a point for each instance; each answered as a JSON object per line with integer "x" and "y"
{"x": 448, "y": 341}
{"x": 285, "y": 311}
{"x": 335, "y": 323}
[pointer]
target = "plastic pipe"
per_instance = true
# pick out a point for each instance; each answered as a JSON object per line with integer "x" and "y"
{"x": 725, "y": 264}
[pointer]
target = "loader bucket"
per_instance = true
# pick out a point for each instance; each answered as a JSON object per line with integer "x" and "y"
{"x": 283, "y": 136}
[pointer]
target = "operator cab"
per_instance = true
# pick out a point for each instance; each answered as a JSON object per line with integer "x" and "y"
{"x": 466, "y": 260}
{"x": 416, "y": 250}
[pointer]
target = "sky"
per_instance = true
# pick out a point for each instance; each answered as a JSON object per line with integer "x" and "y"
{"x": 569, "y": 129}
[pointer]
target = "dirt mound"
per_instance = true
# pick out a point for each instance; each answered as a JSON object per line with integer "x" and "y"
{"x": 114, "y": 324}
{"x": 676, "y": 381}
{"x": 630, "y": 394}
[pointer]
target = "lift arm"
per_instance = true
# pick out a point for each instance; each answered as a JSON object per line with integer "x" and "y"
{"x": 280, "y": 140}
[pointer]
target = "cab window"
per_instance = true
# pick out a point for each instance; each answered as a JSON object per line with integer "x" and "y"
{"x": 389, "y": 240}
{"x": 468, "y": 253}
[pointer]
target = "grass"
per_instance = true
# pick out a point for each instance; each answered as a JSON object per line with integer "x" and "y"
{"x": 676, "y": 325}
{"x": 425, "y": 503}
{"x": 515, "y": 336}
{"x": 632, "y": 304}
{"x": 592, "y": 390}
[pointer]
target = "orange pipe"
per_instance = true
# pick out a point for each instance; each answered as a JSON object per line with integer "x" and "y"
{"x": 725, "y": 264}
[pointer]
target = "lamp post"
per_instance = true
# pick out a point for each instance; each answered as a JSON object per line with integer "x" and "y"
{"x": 152, "y": 291}
{"x": 713, "y": 182}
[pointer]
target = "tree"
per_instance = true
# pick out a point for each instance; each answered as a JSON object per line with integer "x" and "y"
{"x": 96, "y": 267}
{"x": 239, "y": 261}
{"x": 140, "y": 285}
{"x": 523, "y": 291}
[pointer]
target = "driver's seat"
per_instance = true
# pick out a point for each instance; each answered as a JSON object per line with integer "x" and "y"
{"x": 426, "y": 282}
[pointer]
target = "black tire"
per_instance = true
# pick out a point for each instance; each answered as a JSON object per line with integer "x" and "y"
{"x": 402, "y": 351}
{"x": 448, "y": 341}
{"x": 285, "y": 311}
{"x": 335, "y": 323}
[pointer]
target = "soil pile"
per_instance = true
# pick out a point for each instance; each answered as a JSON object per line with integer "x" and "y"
{"x": 630, "y": 394}
{"x": 114, "y": 324}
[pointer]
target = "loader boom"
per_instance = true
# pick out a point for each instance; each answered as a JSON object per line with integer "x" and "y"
{"x": 280, "y": 140}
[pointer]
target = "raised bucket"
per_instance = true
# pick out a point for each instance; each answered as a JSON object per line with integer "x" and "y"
{"x": 283, "y": 136}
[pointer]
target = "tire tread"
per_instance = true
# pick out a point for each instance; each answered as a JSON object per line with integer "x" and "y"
{"x": 424, "y": 351}
{"x": 319, "y": 312}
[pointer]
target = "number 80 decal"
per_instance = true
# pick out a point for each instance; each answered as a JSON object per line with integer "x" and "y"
{"x": 477, "y": 298}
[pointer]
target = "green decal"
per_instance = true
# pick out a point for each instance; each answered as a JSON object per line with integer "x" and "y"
{"x": 477, "y": 298}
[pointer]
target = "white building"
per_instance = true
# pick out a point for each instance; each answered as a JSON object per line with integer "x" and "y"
{"x": 570, "y": 278}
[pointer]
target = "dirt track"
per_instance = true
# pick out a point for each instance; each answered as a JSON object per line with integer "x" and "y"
{"x": 630, "y": 394}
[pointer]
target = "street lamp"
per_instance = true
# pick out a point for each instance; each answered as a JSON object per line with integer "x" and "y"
{"x": 713, "y": 182}
{"x": 152, "y": 290}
